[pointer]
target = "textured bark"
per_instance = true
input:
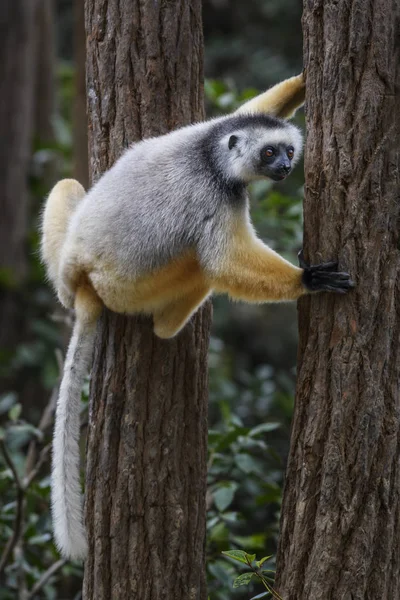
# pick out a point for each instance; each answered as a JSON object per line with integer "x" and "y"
{"x": 146, "y": 458}
{"x": 340, "y": 527}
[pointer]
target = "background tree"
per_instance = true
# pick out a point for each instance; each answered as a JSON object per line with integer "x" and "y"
{"x": 340, "y": 526}
{"x": 147, "y": 444}
{"x": 26, "y": 121}
{"x": 17, "y": 52}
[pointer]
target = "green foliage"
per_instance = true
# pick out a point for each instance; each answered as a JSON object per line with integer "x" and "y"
{"x": 257, "y": 572}
{"x": 245, "y": 469}
{"x": 28, "y": 558}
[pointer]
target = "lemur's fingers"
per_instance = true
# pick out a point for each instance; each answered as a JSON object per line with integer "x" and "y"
{"x": 324, "y": 277}
{"x": 302, "y": 262}
{"x": 316, "y": 280}
{"x": 328, "y": 266}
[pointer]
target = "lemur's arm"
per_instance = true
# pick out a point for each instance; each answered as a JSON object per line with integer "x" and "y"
{"x": 282, "y": 100}
{"x": 251, "y": 271}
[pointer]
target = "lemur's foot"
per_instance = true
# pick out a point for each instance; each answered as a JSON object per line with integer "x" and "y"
{"x": 65, "y": 296}
{"x": 324, "y": 277}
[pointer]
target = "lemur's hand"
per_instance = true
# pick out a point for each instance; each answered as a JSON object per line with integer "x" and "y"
{"x": 324, "y": 277}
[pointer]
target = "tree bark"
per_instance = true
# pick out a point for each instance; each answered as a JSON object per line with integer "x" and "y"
{"x": 44, "y": 93}
{"x": 340, "y": 527}
{"x": 16, "y": 77}
{"x": 146, "y": 457}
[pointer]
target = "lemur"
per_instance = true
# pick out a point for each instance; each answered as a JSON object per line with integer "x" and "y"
{"x": 159, "y": 232}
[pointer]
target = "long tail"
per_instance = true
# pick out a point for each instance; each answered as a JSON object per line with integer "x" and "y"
{"x": 66, "y": 497}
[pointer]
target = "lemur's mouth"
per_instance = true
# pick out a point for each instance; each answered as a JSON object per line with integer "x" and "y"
{"x": 279, "y": 177}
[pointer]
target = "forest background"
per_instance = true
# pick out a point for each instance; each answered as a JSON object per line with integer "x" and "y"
{"x": 248, "y": 47}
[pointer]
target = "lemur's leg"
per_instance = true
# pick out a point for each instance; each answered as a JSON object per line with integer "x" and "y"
{"x": 169, "y": 320}
{"x": 60, "y": 206}
{"x": 255, "y": 273}
{"x": 282, "y": 100}
{"x": 70, "y": 277}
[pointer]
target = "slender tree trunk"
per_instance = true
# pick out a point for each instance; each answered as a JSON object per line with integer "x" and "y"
{"x": 340, "y": 526}
{"x": 16, "y": 81}
{"x": 146, "y": 458}
{"x": 44, "y": 100}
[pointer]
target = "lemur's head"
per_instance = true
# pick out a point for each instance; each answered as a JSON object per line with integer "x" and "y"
{"x": 259, "y": 146}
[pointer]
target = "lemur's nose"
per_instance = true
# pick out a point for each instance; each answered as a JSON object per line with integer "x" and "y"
{"x": 284, "y": 168}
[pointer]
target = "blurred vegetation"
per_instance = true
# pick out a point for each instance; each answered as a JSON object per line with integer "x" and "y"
{"x": 252, "y": 350}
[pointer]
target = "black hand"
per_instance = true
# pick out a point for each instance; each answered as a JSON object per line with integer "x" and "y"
{"x": 324, "y": 277}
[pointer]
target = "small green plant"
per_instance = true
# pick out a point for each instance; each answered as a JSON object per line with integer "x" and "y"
{"x": 257, "y": 572}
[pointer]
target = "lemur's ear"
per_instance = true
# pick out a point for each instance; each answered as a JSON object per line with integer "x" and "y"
{"x": 232, "y": 141}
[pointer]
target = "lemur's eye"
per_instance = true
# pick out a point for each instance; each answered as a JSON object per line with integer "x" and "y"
{"x": 290, "y": 152}
{"x": 268, "y": 152}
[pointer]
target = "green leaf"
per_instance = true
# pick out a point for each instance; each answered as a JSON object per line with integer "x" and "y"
{"x": 231, "y": 516}
{"x": 15, "y": 412}
{"x": 212, "y": 522}
{"x": 238, "y": 555}
{"x": 260, "y": 563}
{"x": 40, "y": 539}
{"x": 263, "y": 428}
{"x": 18, "y": 435}
{"x": 246, "y": 463}
{"x": 224, "y": 495}
{"x": 250, "y": 557}
{"x": 255, "y": 541}
{"x": 226, "y": 440}
{"x": 243, "y": 579}
{"x": 219, "y": 533}
{"x": 222, "y": 571}
{"x": 7, "y": 402}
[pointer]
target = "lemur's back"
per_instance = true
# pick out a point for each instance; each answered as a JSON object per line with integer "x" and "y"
{"x": 151, "y": 201}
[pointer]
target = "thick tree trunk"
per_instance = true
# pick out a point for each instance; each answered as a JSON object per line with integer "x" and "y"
{"x": 146, "y": 459}
{"x": 340, "y": 527}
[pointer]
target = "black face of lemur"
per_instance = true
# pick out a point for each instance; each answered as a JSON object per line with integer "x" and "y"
{"x": 276, "y": 161}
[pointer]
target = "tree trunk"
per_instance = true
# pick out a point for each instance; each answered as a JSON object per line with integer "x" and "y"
{"x": 16, "y": 79}
{"x": 44, "y": 100}
{"x": 340, "y": 527}
{"x": 146, "y": 457}
{"x": 81, "y": 161}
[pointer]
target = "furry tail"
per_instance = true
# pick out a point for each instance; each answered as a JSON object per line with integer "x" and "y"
{"x": 59, "y": 208}
{"x": 66, "y": 498}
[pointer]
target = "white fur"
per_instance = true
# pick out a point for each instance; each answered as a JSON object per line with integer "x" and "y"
{"x": 66, "y": 498}
{"x": 240, "y": 164}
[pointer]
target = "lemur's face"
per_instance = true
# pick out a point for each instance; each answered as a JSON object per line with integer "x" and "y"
{"x": 275, "y": 161}
{"x": 258, "y": 153}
